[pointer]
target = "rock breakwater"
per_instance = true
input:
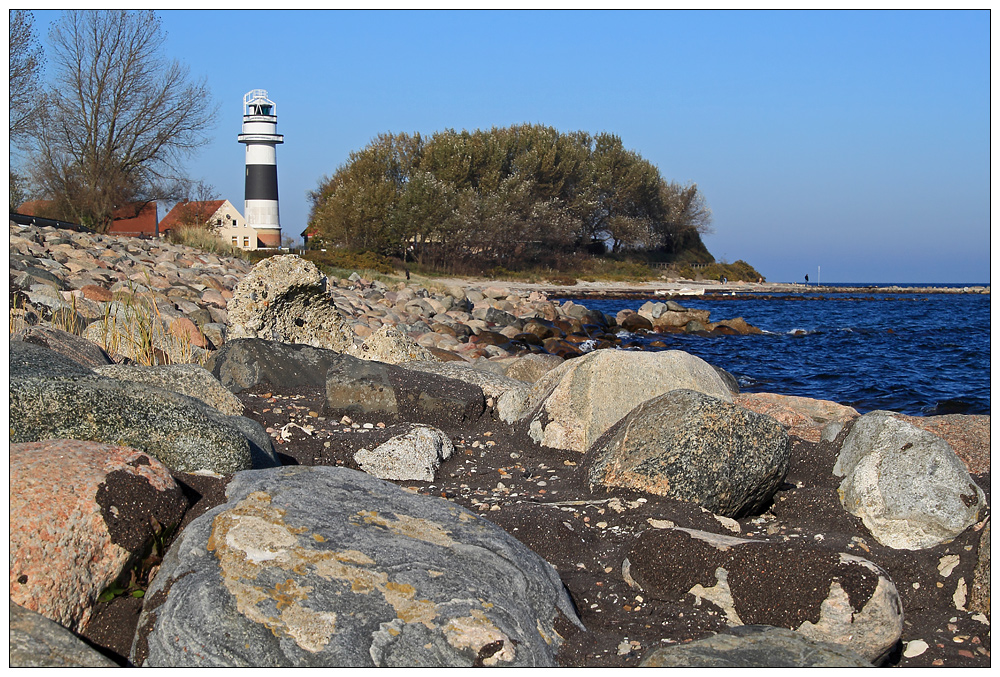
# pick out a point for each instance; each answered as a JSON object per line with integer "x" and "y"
{"x": 496, "y": 539}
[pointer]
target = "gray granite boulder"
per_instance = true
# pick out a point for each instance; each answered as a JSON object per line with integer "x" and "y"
{"x": 826, "y": 595}
{"x": 575, "y": 403}
{"x": 69, "y": 345}
{"x": 50, "y": 398}
{"x": 361, "y": 387}
{"x": 695, "y": 448}
{"x": 754, "y": 646}
{"x": 414, "y": 455}
{"x": 322, "y": 566}
{"x": 284, "y": 298}
{"x": 31, "y": 360}
{"x": 242, "y": 364}
{"x": 186, "y": 379}
{"x": 907, "y": 485}
{"x": 37, "y": 642}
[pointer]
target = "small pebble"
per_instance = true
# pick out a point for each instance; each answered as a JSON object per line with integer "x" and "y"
{"x": 915, "y": 648}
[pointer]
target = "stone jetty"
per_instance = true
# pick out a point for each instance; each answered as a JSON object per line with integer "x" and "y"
{"x": 214, "y": 463}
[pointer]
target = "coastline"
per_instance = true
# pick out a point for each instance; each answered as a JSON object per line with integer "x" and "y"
{"x": 706, "y": 288}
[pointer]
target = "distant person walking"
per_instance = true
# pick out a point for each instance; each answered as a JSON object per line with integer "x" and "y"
{"x": 807, "y": 279}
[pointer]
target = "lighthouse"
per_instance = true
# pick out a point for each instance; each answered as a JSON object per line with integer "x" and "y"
{"x": 260, "y": 120}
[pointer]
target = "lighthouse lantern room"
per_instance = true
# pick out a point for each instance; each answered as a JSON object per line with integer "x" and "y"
{"x": 260, "y": 120}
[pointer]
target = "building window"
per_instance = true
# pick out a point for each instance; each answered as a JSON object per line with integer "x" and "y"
{"x": 234, "y": 241}
{"x": 246, "y": 241}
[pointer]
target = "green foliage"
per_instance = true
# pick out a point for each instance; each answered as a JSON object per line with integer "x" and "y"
{"x": 351, "y": 260}
{"x": 740, "y": 270}
{"x": 525, "y": 197}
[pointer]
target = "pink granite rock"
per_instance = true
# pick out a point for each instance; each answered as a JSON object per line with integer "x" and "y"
{"x": 79, "y": 520}
{"x": 802, "y": 417}
{"x": 187, "y": 331}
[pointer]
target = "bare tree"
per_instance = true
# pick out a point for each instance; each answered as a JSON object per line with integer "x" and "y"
{"x": 194, "y": 210}
{"x": 26, "y": 62}
{"x": 119, "y": 119}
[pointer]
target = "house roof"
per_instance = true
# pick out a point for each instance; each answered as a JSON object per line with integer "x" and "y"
{"x": 183, "y": 211}
{"x": 135, "y": 217}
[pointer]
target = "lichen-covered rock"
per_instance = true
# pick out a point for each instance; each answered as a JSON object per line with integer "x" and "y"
{"x": 322, "y": 566}
{"x": 754, "y": 646}
{"x": 692, "y": 447}
{"x": 186, "y": 379}
{"x": 575, "y": 403}
{"x": 284, "y": 298}
{"x": 37, "y": 642}
{"x": 79, "y": 517}
{"x": 823, "y": 594}
{"x": 389, "y": 345}
{"x": 907, "y": 485}
{"x": 414, "y": 455}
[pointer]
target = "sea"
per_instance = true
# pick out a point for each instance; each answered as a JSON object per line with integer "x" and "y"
{"x": 922, "y": 354}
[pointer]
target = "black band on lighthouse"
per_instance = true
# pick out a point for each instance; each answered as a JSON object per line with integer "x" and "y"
{"x": 262, "y": 182}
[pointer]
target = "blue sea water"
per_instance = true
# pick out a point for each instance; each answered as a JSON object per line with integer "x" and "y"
{"x": 919, "y": 354}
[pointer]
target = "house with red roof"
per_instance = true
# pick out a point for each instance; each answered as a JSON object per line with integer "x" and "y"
{"x": 220, "y": 215}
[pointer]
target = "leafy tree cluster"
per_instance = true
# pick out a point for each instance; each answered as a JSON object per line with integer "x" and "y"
{"x": 516, "y": 197}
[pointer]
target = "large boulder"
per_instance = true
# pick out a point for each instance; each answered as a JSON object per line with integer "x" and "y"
{"x": 284, "y": 298}
{"x": 823, "y": 594}
{"x": 575, "y": 403}
{"x": 803, "y": 417}
{"x": 360, "y": 387}
{"x": 79, "y": 519}
{"x": 37, "y": 642}
{"x": 968, "y": 435}
{"x": 530, "y": 368}
{"x": 907, "y": 485}
{"x": 754, "y": 646}
{"x": 53, "y": 398}
{"x": 186, "y": 379}
{"x": 242, "y": 364}
{"x": 493, "y": 385}
{"x": 323, "y": 566}
{"x": 414, "y": 455}
{"x": 77, "y": 348}
{"x": 692, "y": 447}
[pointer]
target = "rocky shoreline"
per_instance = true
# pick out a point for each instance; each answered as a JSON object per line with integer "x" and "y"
{"x": 363, "y": 474}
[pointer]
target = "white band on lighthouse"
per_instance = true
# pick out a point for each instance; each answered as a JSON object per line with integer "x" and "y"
{"x": 260, "y": 121}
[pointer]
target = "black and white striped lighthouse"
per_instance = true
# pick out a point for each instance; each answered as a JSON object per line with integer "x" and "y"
{"x": 260, "y": 120}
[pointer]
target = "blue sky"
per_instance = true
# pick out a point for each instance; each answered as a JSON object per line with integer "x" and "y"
{"x": 857, "y": 142}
